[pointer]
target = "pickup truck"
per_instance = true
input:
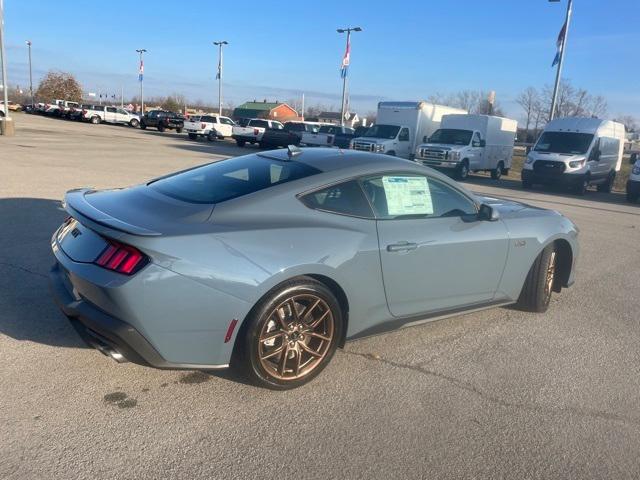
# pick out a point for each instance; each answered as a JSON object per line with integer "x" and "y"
{"x": 253, "y": 131}
{"x": 162, "y": 120}
{"x": 210, "y": 126}
{"x": 326, "y": 136}
{"x": 279, "y": 137}
{"x": 100, "y": 113}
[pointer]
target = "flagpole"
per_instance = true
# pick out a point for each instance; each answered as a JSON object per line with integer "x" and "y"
{"x": 219, "y": 75}
{"x": 556, "y": 87}
{"x": 141, "y": 79}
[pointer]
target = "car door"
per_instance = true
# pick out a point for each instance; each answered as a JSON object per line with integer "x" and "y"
{"x": 403, "y": 147}
{"x": 111, "y": 115}
{"x": 476, "y": 160}
{"x": 122, "y": 116}
{"x": 436, "y": 255}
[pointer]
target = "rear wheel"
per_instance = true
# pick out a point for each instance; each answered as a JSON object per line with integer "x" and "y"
{"x": 240, "y": 143}
{"x": 95, "y": 119}
{"x": 290, "y": 336}
{"x": 497, "y": 172}
{"x": 192, "y": 136}
{"x": 462, "y": 173}
{"x": 211, "y": 136}
{"x": 536, "y": 293}
{"x": 607, "y": 186}
{"x": 160, "y": 127}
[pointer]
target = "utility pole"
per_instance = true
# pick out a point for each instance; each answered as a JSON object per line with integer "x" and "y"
{"x": 141, "y": 51}
{"x": 219, "y": 74}
{"x": 30, "y": 76}
{"x": 302, "y": 109}
{"x": 563, "y": 46}
{"x": 3, "y": 59}
{"x": 346, "y": 60}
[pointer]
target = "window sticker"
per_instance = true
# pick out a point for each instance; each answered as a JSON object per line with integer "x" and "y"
{"x": 407, "y": 196}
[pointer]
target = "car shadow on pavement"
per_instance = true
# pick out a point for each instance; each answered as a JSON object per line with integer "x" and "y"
{"x": 27, "y": 310}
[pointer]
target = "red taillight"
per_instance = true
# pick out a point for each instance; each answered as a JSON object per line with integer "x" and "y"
{"x": 256, "y": 132}
{"x": 121, "y": 258}
{"x": 203, "y": 126}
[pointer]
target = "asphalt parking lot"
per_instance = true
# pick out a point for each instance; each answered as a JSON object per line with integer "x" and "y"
{"x": 496, "y": 394}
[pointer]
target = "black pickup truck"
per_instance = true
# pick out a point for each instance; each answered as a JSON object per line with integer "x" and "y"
{"x": 279, "y": 137}
{"x": 162, "y": 120}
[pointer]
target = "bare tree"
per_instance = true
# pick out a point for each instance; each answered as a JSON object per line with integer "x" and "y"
{"x": 630, "y": 123}
{"x": 528, "y": 100}
{"x": 59, "y": 85}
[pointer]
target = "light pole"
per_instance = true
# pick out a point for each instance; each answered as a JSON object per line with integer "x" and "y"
{"x": 30, "y": 75}
{"x": 345, "y": 64}
{"x": 3, "y": 59}
{"x": 562, "y": 44}
{"x": 219, "y": 74}
{"x": 140, "y": 79}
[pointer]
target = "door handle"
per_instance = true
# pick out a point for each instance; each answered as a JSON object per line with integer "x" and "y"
{"x": 401, "y": 247}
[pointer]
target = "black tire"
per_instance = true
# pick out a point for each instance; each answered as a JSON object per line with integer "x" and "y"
{"x": 462, "y": 172}
{"x": 607, "y": 186}
{"x": 95, "y": 120}
{"x": 632, "y": 197}
{"x": 247, "y": 358}
{"x": 537, "y": 289}
{"x": 240, "y": 143}
{"x": 497, "y": 172}
{"x": 212, "y": 137}
{"x": 581, "y": 188}
{"x": 193, "y": 136}
{"x": 527, "y": 185}
{"x": 143, "y": 126}
{"x": 178, "y": 130}
{"x": 134, "y": 123}
{"x": 160, "y": 127}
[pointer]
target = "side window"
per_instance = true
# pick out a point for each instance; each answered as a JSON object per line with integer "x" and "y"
{"x": 112, "y": 109}
{"x": 122, "y": 111}
{"x": 476, "y": 140}
{"x": 259, "y": 123}
{"x": 153, "y": 114}
{"x": 404, "y": 135}
{"x": 415, "y": 196}
{"x": 609, "y": 146}
{"x": 226, "y": 121}
{"x": 345, "y": 198}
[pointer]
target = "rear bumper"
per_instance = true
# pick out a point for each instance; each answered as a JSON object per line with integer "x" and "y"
{"x": 107, "y": 333}
{"x": 566, "y": 179}
{"x": 245, "y": 138}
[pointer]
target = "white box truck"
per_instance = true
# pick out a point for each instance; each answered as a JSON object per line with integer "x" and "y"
{"x": 400, "y": 126}
{"x": 576, "y": 152}
{"x": 471, "y": 143}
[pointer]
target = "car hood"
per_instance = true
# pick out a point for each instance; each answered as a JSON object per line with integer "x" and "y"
{"x": 556, "y": 157}
{"x": 137, "y": 210}
{"x": 512, "y": 209}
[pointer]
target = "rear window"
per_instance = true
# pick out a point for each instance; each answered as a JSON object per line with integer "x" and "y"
{"x": 259, "y": 123}
{"x": 229, "y": 179}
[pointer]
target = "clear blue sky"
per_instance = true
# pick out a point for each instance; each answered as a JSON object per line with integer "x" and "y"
{"x": 407, "y": 51}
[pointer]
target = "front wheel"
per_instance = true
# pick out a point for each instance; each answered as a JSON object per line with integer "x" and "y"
{"x": 607, "y": 186}
{"x": 95, "y": 120}
{"x": 143, "y": 126}
{"x": 497, "y": 172}
{"x": 290, "y": 335}
{"x": 134, "y": 123}
{"x": 193, "y": 136}
{"x": 178, "y": 130}
{"x": 211, "y": 136}
{"x": 462, "y": 173}
{"x": 160, "y": 127}
{"x": 536, "y": 292}
{"x": 581, "y": 188}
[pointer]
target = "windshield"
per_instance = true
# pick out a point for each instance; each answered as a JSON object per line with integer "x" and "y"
{"x": 564, "y": 142}
{"x": 383, "y": 131}
{"x": 228, "y": 179}
{"x": 451, "y": 136}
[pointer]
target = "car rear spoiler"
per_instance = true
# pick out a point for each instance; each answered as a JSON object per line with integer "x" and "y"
{"x": 77, "y": 206}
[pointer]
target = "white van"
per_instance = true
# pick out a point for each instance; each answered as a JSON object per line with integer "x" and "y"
{"x": 576, "y": 152}
{"x": 400, "y": 126}
{"x": 633, "y": 184}
{"x": 470, "y": 143}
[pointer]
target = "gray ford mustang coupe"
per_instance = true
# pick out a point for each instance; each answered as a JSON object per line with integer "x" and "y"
{"x": 268, "y": 262}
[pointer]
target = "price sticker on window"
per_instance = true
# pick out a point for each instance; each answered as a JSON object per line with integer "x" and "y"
{"x": 407, "y": 195}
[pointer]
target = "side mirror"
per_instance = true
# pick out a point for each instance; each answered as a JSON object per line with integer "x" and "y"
{"x": 488, "y": 213}
{"x": 595, "y": 155}
{"x": 633, "y": 158}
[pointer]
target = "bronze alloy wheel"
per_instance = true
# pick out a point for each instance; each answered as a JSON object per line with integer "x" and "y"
{"x": 551, "y": 271}
{"x": 296, "y": 337}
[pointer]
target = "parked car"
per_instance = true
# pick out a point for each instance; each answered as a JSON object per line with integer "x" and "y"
{"x": 299, "y": 128}
{"x": 576, "y": 152}
{"x": 101, "y": 113}
{"x": 65, "y": 108}
{"x": 253, "y": 130}
{"x": 278, "y": 137}
{"x": 162, "y": 120}
{"x": 210, "y": 126}
{"x": 326, "y": 135}
{"x": 465, "y": 143}
{"x": 633, "y": 183}
{"x": 13, "y": 107}
{"x": 400, "y": 126}
{"x": 76, "y": 113}
{"x": 270, "y": 261}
